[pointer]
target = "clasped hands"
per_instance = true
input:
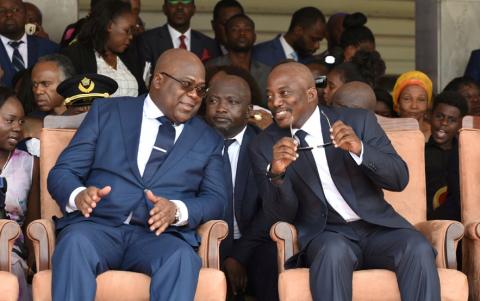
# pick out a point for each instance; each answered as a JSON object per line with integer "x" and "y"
{"x": 285, "y": 150}
{"x": 162, "y": 214}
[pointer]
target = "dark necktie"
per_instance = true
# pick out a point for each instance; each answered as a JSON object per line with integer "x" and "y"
{"x": 161, "y": 148}
{"x": 228, "y": 173}
{"x": 163, "y": 144}
{"x": 17, "y": 60}
{"x": 301, "y": 134}
{"x": 182, "y": 42}
{"x": 332, "y": 217}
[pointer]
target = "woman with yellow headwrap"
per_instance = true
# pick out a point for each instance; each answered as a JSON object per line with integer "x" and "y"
{"x": 412, "y": 96}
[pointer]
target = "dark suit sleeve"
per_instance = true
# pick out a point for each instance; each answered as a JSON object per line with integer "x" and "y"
{"x": 74, "y": 163}
{"x": 280, "y": 202}
{"x": 210, "y": 202}
{"x": 381, "y": 163}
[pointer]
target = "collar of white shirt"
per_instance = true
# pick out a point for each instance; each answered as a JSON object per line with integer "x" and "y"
{"x": 175, "y": 35}
{"x": 290, "y": 53}
{"x": 239, "y": 137}
{"x": 9, "y": 49}
{"x": 150, "y": 109}
{"x": 5, "y": 40}
{"x": 312, "y": 126}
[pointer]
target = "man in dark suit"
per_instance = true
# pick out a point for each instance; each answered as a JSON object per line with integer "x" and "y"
{"x": 307, "y": 29}
{"x": 247, "y": 252}
{"x": 140, "y": 175}
{"x": 177, "y": 34}
{"x": 222, "y": 11}
{"x": 17, "y": 50}
{"x": 328, "y": 182}
{"x": 240, "y": 37}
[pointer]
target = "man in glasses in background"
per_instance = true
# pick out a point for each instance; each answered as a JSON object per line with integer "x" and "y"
{"x": 138, "y": 178}
{"x": 322, "y": 169}
{"x": 177, "y": 33}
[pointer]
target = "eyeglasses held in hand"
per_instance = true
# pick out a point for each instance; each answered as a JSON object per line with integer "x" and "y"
{"x": 307, "y": 148}
{"x": 189, "y": 86}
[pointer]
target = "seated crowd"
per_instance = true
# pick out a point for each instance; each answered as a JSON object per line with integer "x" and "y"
{"x": 197, "y": 129}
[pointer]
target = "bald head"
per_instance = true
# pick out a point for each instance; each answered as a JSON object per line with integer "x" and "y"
{"x": 296, "y": 71}
{"x": 178, "y": 84}
{"x": 176, "y": 59}
{"x": 355, "y": 95}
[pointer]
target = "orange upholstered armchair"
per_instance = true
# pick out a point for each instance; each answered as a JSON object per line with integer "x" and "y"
{"x": 9, "y": 232}
{"x": 469, "y": 170}
{"x": 377, "y": 284}
{"x": 112, "y": 285}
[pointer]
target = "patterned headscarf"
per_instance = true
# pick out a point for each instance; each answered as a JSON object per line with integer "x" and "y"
{"x": 410, "y": 78}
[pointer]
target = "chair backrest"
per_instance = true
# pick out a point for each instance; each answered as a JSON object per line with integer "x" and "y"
{"x": 409, "y": 142}
{"x": 52, "y": 143}
{"x": 469, "y": 168}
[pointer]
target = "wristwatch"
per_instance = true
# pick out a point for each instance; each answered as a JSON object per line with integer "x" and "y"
{"x": 178, "y": 215}
{"x": 273, "y": 176}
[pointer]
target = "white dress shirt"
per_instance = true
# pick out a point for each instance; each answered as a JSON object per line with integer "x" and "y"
{"x": 23, "y": 48}
{"x": 175, "y": 34}
{"x": 233, "y": 154}
{"x": 314, "y": 137}
{"x": 290, "y": 53}
{"x": 148, "y": 135}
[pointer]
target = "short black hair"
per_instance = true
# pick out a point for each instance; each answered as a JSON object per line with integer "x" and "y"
{"x": 452, "y": 98}
{"x": 225, "y": 4}
{"x": 243, "y": 74}
{"x": 365, "y": 66}
{"x": 94, "y": 31}
{"x": 63, "y": 63}
{"x": 5, "y": 93}
{"x": 239, "y": 16}
{"x": 306, "y": 17}
{"x": 458, "y": 82}
{"x": 382, "y": 95}
{"x": 355, "y": 31}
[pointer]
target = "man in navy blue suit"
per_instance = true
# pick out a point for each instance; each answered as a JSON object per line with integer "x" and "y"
{"x": 17, "y": 50}
{"x": 177, "y": 33}
{"x": 307, "y": 29}
{"x": 140, "y": 175}
{"x": 323, "y": 169}
{"x": 248, "y": 254}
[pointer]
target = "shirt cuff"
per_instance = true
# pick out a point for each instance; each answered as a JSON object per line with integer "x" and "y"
{"x": 358, "y": 159}
{"x": 182, "y": 208}
{"x": 71, "y": 206}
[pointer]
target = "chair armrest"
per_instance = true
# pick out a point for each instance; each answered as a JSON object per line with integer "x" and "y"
{"x": 472, "y": 231}
{"x": 42, "y": 234}
{"x": 444, "y": 236}
{"x": 9, "y": 232}
{"x": 285, "y": 236}
{"x": 211, "y": 233}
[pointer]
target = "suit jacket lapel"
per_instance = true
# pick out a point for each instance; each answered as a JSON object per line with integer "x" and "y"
{"x": 6, "y": 62}
{"x": 305, "y": 167}
{"x": 32, "y": 51}
{"x": 336, "y": 159}
{"x": 165, "y": 38}
{"x": 195, "y": 44}
{"x": 131, "y": 127}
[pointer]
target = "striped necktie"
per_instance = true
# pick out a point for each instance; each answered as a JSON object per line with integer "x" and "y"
{"x": 163, "y": 144}
{"x": 17, "y": 60}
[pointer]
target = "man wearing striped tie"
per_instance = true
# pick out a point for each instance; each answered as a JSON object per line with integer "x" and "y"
{"x": 17, "y": 50}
